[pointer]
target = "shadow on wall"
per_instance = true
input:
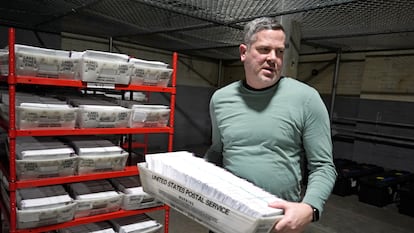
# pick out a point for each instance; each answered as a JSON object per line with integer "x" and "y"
{"x": 192, "y": 127}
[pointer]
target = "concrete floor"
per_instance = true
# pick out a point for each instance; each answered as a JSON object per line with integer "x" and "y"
{"x": 341, "y": 215}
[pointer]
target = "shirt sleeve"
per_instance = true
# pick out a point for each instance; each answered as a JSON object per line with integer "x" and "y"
{"x": 317, "y": 143}
{"x": 214, "y": 153}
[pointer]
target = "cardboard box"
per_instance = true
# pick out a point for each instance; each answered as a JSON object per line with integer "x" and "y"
{"x": 210, "y": 213}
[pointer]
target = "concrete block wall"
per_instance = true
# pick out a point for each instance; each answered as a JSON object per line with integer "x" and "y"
{"x": 373, "y": 117}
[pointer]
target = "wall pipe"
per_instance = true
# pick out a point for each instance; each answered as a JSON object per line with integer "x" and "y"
{"x": 220, "y": 73}
{"x": 111, "y": 44}
{"x": 334, "y": 84}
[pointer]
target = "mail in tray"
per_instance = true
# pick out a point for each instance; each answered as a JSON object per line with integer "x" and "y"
{"x": 208, "y": 194}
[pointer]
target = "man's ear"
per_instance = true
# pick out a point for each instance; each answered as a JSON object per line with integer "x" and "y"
{"x": 242, "y": 51}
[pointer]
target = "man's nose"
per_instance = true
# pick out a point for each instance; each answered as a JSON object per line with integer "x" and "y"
{"x": 272, "y": 56}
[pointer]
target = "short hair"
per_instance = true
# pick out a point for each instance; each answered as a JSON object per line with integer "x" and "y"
{"x": 257, "y": 25}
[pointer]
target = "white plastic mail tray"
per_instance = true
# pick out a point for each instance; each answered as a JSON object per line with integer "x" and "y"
{"x": 141, "y": 223}
{"x": 94, "y": 227}
{"x": 150, "y": 73}
{"x": 104, "y": 67}
{"x": 98, "y": 116}
{"x": 40, "y": 116}
{"x": 40, "y": 148}
{"x": 4, "y": 62}
{"x": 97, "y": 203}
{"x": 34, "y": 169}
{"x": 41, "y": 62}
{"x": 90, "y": 163}
{"x": 210, "y": 213}
{"x": 149, "y": 116}
{"x": 41, "y": 206}
{"x": 45, "y": 216}
{"x": 134, "y": 195}
{"x": 136, "y": 200}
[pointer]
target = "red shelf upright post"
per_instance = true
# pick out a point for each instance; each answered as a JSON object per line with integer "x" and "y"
{"x": 171, "y": 133}
{"x": 12, "y": 130}
{"x": 173, "y": 96}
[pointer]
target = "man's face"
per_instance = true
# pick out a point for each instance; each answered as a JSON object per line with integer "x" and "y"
{"x": 263, "y": 59}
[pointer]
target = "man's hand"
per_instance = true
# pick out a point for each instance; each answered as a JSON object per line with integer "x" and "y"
{"x": 296, "y": 216}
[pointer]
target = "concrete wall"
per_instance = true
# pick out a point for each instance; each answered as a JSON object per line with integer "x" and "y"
{"x": 373, "y": 121}
{"x": 379, "y": 75}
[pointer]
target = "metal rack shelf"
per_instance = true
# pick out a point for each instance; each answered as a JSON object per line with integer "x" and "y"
{"x": 13, "y": 184}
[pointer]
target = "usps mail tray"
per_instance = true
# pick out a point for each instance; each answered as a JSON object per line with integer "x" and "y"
{"x": 210, "y": 213}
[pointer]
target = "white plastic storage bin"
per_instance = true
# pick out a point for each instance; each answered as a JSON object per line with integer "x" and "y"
{"x": 41, "y": 62}
{"x": 4, "y": 62}
{"x": 39, "y": 112}
{"x": 35, "y": 169}
{"x": 42, "y": 206}
{"x": 97, "y": 155}
{"x": 98, "y": 116}
{"x": 141, "y": 223}
{"x": 103, "y": 67}
{"x": 150, "y": 73}
{"x": 40, "y": 157}
{"x": 40, "y": 116}
{"x": 134, "y": 195}
{"x": 149, "y": 116}
{"x": 91, "y": 164}
{"x": 94, "y": 227}
{"x": 95, "y": 197}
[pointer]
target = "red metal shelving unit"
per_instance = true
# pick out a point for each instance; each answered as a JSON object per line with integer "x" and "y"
{"x": 14, "y": 184}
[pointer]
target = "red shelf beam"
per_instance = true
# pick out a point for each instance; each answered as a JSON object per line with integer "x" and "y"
{"x": 128, "y": 171}
{"x": 92, "y": 131}
{"x": 20, "y": 79}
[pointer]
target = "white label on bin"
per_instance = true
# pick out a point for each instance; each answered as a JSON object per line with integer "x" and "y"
{"x": 101, "y": 85}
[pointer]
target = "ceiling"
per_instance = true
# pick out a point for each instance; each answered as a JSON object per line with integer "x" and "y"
{"x": 213, "y": 28}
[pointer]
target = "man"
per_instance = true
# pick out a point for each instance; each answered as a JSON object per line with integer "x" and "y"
{"x": 263, "y": 126}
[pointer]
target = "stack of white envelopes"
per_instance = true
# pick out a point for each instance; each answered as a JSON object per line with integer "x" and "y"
{"x": 207, "y": 193}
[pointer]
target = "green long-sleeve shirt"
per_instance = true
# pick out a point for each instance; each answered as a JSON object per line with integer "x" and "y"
{"x": 261, "y": 135}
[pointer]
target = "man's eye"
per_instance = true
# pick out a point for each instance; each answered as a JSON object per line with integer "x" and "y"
{"x": 263, "y": 50}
